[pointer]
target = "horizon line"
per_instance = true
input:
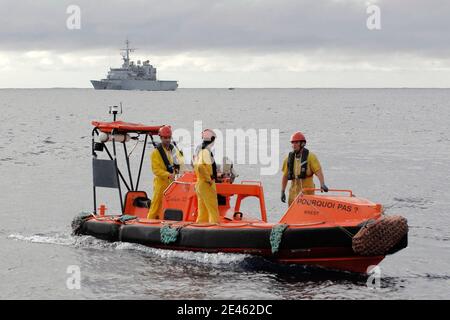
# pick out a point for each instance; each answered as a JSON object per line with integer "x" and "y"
{"x": 262, "y": 88}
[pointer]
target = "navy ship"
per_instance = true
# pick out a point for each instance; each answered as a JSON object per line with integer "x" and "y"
{"x": 133, "y": 76}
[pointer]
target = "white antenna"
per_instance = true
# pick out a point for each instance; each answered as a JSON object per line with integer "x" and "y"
{"x": 114, "y": 110}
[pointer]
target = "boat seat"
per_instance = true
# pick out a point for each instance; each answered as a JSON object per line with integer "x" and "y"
{"x": 173, "y": 214}
{"x": 137, "y": 204}
{"x": 142, "y": 202}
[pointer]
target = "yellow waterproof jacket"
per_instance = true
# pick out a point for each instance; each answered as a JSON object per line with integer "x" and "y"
{"x": 312, "y": 166}
{"x": 158, "y": 167}
{"x": 208, "y": 209}
{"x": 203, "y": 166}
{"x": 161, "y": 180}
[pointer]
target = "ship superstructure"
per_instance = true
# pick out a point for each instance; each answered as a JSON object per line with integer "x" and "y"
{"x": 133, "y": 76}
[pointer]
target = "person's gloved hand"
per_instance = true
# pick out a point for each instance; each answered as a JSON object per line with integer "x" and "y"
{"x": 323, "y": 188}
{"x": 283, "y": 196}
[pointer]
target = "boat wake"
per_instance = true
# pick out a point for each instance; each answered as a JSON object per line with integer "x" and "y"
{"x": 90, "y": 242}
{"x": 41, "y": 238}
{"x": 249, "y": 263}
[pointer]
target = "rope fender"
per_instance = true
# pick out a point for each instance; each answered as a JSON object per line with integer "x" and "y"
{"x": 379, "y": 237}
{"x": 78, "y": 221}
{"x": 275, "y": 236}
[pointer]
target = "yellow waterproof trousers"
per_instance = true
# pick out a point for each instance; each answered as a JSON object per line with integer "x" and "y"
{"x": 296, "y": 187}
{"x": 208, "y": 208}
{"x": 159, "y": 185}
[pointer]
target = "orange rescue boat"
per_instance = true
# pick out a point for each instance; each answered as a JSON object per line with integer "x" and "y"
{"x": 337, "y": 231}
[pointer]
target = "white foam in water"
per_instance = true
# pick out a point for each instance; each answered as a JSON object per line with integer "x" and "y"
{"x": 203, "y": 257}
{"x": 91, "y": 242}
{"x": 37, "y": 238}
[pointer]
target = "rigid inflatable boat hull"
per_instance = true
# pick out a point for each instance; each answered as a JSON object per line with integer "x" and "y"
{"x": 327, "y": 247}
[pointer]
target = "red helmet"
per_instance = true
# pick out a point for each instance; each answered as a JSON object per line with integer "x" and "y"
{"x": 165, "y": 132}
{"x": 208, "y": 135}
{"x": 298, "y": 136}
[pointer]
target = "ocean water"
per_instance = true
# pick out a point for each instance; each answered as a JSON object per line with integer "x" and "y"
{"x": 391, "y": 146}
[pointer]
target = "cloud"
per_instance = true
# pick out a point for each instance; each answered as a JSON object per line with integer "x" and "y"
{"x": 231, "y": 42}
{"x": 202, "y": 69}
{"x": 266, "y": 26}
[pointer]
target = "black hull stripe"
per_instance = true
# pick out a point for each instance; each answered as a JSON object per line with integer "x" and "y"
{"x": 241, "y": 238}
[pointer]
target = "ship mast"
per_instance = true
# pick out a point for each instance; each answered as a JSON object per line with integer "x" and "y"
{"x": 126, "y": 55}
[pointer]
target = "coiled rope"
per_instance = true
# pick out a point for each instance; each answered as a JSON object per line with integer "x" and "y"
{"x": 276, "y": 235}
{"x": 169, "y": 234}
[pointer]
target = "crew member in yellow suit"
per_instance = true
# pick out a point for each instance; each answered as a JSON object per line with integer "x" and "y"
{"x": 206, "y": 173}
{"x": 300, "y": 166}
{"x": 166, "y": 161}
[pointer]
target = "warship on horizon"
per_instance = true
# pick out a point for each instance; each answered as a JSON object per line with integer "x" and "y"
{"x": 133, "y": 76}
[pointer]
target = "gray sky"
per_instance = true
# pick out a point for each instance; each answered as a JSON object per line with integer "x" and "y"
{"x": 229, "y": 43}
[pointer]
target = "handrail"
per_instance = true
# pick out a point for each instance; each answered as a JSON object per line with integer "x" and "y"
{"x": 251, "y": 182}
{"x": 177, "y": 182}
{"x": 182, "y": 182}
{"x": 335, "y": 190}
